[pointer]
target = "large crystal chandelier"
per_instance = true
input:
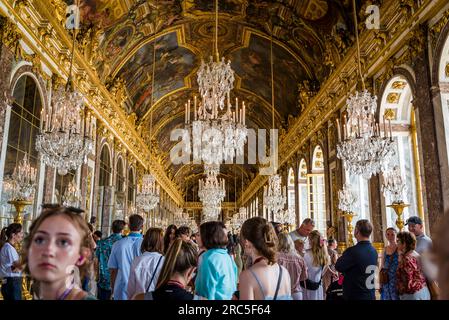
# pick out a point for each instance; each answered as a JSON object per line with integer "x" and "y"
{"x": 22, "y": 183}
{"x": 286, "y": 216}
{"x": 63, "y": 141}
{"x": 239, "y": 218}
{"x": 218, "y": 133}
{"x": 394, "y": 186}
{"x": 148, "y": 193}
{"x": 364, "y": 149}
{"x": 346, "y": 199}
{"x": 211, "y": 213}
{"x": 72, "y": 196}
{"x": 212, "y": 190}
{"x": 274, "y": 196}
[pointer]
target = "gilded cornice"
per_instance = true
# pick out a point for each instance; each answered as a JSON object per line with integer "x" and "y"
{"x": 403, "y": 29}
{"x": 199, "y": 205}
{"x": 42, "y": 30}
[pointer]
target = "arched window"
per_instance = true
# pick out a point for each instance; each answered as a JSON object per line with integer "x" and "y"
{"x": 317, "y": 196}
{"x": 119, "y": 190}
{"x": 131, "y": 187}
{"x": 105, "y": 204}
{"x": 120, "y": 176}
{"x": 303, "y": 192}
{"x": 291, "y": 196}
{"x": 24, "y": 124}
{"x": 443, "y": 76}
{"x": 397, "y": 99}
{"x": 105, "y": 167}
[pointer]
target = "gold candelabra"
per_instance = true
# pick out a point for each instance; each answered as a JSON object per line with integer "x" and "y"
{"x": 349, "y": 215}
{"x": 398, "y": 208}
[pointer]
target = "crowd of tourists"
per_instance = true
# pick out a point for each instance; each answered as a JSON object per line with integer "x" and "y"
{"x": 67, "y": 260}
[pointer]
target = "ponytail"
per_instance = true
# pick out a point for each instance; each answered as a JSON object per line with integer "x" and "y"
{"x": 3, "y": 237}
{"x": 180, "y": 256}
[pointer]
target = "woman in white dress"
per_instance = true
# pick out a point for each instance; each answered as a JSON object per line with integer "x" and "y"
{"x": 146, "y": 268}
{"x": 317, "y": 260}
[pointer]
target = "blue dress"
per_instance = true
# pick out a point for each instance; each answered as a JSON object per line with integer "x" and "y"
{"x": 389, "y": 291}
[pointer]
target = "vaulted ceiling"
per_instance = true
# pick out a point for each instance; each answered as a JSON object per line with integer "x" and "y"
{"x": 310, "y": 37}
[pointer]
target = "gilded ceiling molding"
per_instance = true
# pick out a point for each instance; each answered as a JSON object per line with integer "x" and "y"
{"x": 55, "y": 54}
{"x": 199, "y": 205}
{"x": 343, "y": 80}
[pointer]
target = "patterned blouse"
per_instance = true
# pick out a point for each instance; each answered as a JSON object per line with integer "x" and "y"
{"x": 410, "y": 278}
{"x": 296, "y": 268}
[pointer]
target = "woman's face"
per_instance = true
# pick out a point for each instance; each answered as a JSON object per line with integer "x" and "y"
{"x": 390, "y": 235}
{"x": 54, "y": 250}
{"x": 401, "y": 246}
{"x": 172, "y": 234}
{"x": 18, "y": 237}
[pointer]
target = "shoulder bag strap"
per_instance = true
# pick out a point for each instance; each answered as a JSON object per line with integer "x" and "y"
{"x": 279, "y": 283}
{"x": 154, "y": 273}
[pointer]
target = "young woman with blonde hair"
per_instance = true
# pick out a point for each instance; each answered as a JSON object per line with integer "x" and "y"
{"x": 58, "y": 245}
{"x": 317, "y": 260}
{"x": 265, "y": 279}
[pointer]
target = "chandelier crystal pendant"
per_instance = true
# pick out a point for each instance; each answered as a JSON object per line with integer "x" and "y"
{"x": 274, "y": 196}
{"x": 394, "y": 186}
{"x": 64, "y": 139}
{"x": 218, "y": 129}
{"x": 148, "y": 193}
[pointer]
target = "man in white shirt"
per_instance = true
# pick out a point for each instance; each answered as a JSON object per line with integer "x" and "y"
{"x": 302, "y": 233}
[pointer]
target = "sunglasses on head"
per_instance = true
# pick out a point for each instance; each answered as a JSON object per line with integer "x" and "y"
{"x": 59, "y": 206}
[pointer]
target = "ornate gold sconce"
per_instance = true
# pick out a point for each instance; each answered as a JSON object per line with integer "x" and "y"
{"x": 398, "y": 208}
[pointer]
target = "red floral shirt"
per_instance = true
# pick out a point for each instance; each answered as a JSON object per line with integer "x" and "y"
{"x": 410, "y": 278}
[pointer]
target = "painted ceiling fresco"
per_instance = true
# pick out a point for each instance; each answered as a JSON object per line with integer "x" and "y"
{"x": 310, "y": 39}
{"x": 173, "y": 65}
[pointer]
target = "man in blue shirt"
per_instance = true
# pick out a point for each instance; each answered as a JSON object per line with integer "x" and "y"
{"x": 358, "y": 265}
{"x": 102, "y": 253}
{"x": 122, "y": 255}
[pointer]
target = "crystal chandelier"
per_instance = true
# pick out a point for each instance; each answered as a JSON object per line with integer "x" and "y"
{"x": 346, "y": 199}
{"x": 394, "y": 186}
{"x": 218, "y": 133}
{"x": 364, "y": 150}
{"x": 181, "y": 217}
{"x": 148, "y": 193}
{"x": 61, "y": 141}
{"x": 22, "y": 183}
{"x": 212, "y": 190}
{"x": 285, "y": 216}
{"x": 211, "y": 213}
{"x": 72, "y": 197}
{"x": 274, "y": 196}
{"x": 239, "y": 218}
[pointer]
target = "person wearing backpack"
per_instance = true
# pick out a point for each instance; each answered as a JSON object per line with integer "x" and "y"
{"x": 317, "y": 260}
